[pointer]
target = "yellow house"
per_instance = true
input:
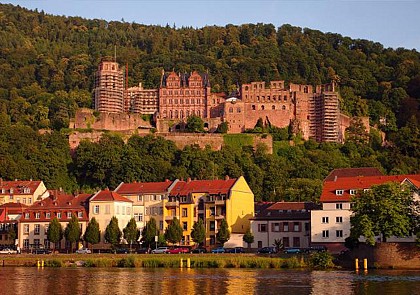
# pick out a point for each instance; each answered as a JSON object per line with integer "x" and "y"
{"x": 22, "y": 191}
{"x": 211, "y": 201}
{"x": 104, "y": 205}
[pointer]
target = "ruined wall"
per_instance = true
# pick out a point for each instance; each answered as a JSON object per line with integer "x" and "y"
{"x": 85, "y": 119}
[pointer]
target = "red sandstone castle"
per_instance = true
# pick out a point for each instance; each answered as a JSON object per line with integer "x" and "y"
{"x": 314, "y": 112}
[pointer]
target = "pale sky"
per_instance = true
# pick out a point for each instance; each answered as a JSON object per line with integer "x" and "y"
{"x": 392, "y": 23}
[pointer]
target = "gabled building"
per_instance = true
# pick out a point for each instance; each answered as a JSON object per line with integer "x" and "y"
{"x": 331, "y": 225}
{"x": 288, "y": 222}
{"x": 211, "y": 201}
{"x": 10, "y": 213}
{"x": 34, "y": 222}
{"x": 106, "y": 204}
{"x": 26, "y": 192}
{"x": 147, "y": 198}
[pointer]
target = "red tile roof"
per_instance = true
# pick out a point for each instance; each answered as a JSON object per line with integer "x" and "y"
{"x": 109, "y": 196}
{"x": 217, "y": 186}
{"x": 359, "y": 183}
{"x": 18, "y": 186}
{"x": 292, "y": 206}
{"x": 353, "y": 172}
{"x": 143, "y": 187}
{"x": 57, "y": 202}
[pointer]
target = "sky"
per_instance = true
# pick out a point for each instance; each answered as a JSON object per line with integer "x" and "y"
{"x": 391, "y": 23}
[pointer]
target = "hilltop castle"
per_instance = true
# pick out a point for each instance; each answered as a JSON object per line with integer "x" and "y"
{"x": 312, "y": 111}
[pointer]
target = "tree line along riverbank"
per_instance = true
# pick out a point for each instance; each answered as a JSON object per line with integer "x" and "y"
{"x": 318, "y": 260}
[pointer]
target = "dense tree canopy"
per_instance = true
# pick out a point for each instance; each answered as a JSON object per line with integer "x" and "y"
{"x": 92, "y": 234}
{"x": 112, "y": 232}
{"x": 55, "y": 231}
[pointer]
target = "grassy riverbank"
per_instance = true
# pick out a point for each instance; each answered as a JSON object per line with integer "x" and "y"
{"x": 153, "y": 261}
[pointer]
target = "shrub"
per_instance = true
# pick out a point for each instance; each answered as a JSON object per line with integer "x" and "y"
{"x": 127, "y": 262}
{"x": 53, "y": 263}
{"x": 321, "y": 260}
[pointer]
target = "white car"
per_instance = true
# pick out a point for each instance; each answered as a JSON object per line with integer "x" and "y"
{"x": 160, "y": 250}
{"x": 83, "y": 251}
{"x": 7, "y": 251}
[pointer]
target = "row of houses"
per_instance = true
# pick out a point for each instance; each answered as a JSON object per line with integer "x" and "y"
{"x": 296, "y": 224}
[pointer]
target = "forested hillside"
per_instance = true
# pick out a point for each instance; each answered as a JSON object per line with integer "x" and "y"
{"x": 47, "y": 66}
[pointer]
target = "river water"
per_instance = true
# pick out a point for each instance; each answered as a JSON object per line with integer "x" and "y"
{"x": 71, "y": 281}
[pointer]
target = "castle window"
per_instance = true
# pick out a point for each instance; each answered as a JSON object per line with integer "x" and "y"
{"x": 238, "y": 110}
{"x": 230, "y": 110}
{"x": 285, "y": 98}
{"x": 246, "y": 88}
{"x": 170, "y": 114}
{"x": 273, "y": 107}
{"x": 283, "y": 107}
{"x": 253, "y": 107}
{"x": 176, "y": 101}
{"x": 274, "y": 97}
{"x": 262, "y": 107}
{"x": 176, "y": 114}
{"x": 258, "y": 98}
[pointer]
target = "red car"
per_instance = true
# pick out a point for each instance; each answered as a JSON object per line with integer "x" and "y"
{"x": 178, "y": 250}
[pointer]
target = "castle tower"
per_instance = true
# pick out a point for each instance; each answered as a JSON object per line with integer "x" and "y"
{"x": 109, "y": 88}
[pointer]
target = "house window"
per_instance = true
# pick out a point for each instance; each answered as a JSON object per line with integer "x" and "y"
{"x": 107, "y": 209}
{"x": 26, "y": 229}
{"x": 339, "y": 233}
{"x": 352, "y": 192}
{"x": 68, "y": 215}
{"x": 185, "y": 226}
{"x": 48, "y": 215}
{"x": 138, "y": 217}
{"x": 339, "y": 206}
{"x": 286, "y": 242}
{"x": 96, "y": 209}
{"x": 37, "y": 215}
{"x": 262, "y": 227}
{"x": 59, "y": 215}
{"x": 324, "y": 219}
{"x": 46, "y": 229}
{"x": 339, "y": 219}
{"x": 29, "y": 200}
{"x": 325, "y": 233}
{"x": 37, "y": 229}
{"x": 26, "y": 244}
{"x": 161, "y": 225}
{"x": 285, "y": 226}
{"x": 184, "y": 212}
{"x": 140, "y": 198}
{"x": 296, "y": 226}
{"x": 276, "y": 227}
{"x": 212, "y": 225}
{"x": 339, "y": 192}
{"x": 296, "y": 242}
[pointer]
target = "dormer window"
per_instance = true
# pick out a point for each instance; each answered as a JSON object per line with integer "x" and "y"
{"x": 339, "y": 192}
{"x": 80, "y": 214}
{"x": 352, "y": 192}
{"x": 26, "y": 215}
{"x": 11, "y": 191}
{"x": 26, "y": 190}
{"x": 37, "y": 215}
{"x": 3, "y": 191}
{"x": 48, "y": 215}
{"x": 68, "y": 215}
{"x": 59, "y": 215}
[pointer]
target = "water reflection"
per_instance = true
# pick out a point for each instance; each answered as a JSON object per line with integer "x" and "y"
{"x": 22, "y": 281}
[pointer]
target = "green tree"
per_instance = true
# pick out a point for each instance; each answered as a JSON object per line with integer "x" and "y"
{"x": 278, "y": 243}
{"x": 55, "y": 231}
{"x": 195, "y": 124}
{"x": 92, "y": 234}
{"x": 248, "y": 238}
{"x": 131, "y": 232}
{"x": 149, "y": 232}
{"x": 112, "y": 232}
{"x": 384, "y": 210}
{"x": 223, "y": 127}
{"x": 11, "y": 233}
{"x": 198, "y": 233}
{"x": 72, "y": 232}
{"x": 173, "y": 232}
{"x": 223, "y": 234}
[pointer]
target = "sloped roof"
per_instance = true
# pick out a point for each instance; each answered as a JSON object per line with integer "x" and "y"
{"x": 217, "y": 186}
{"x": 143, "y": 187}
{"x": 13, "y": 208}
{"x": 359, "y": 183}
{"x": 18, "y": 186}
{"x": 287, "y": 211}
{"x": 353, "y": 172}
{"x": 109, "y": 196}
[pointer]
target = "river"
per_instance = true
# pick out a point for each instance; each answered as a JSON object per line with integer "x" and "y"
{"x": 72, "y": 281}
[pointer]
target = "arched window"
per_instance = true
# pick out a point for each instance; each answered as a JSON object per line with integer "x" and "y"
{"x": 273, "y": 107}
{"x": 176, "y": 114}
{"x": 263, "y": 107}
{"x": 181, "y": 114}
{"x": 283, "y": 107}
{"x": 170, "y": 114}
{"x": 253, "y": 107}
{"x": 230, "y": 110}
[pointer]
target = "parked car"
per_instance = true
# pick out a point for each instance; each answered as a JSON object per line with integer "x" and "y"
{"x": 199, "y": 250}
{"x": 143, "y": 251}
{"x": 41, "y": 251}
{"x": 121, "y": 251}
{"x": 293, "y": 250}
{"x": 178, "y": 250}
{"x": 316, "y": 249}
{"x": 83, "y": 251}
{"x": 8, "y": 251}
{"x": 267, "y": 250}
{"x": 218, "y": 250}
{"x": 235, "y": 250}
{"x": 160, "y": 250}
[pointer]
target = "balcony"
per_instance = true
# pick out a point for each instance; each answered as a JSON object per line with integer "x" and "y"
{"x": 219, "y": 217}
{"x": 219, "y": 202}
{"x": 172, "y": 204}
{"x": 171, "y": 217}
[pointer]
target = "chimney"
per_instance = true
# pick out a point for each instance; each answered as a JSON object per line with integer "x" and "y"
{"x": 335, "y": 178}
{"x": 227, "y": 177}
{"x": 189, "y": 179}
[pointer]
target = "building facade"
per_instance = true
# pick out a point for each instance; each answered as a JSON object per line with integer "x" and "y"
{"x": 26, "y": 192}
{"x": 109, "y": 88}
{"x": 142, "y": 101}
{"x": 10, "y": 213}
{"x": 288, "y": 222}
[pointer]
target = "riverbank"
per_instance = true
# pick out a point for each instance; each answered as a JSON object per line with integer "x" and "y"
{"x": 156, "y": 261}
